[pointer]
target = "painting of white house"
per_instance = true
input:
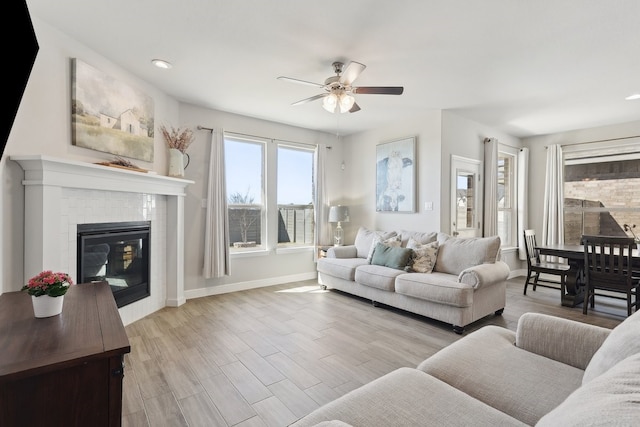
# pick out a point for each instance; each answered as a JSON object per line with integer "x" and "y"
{"x": 395, "y": 176}
{"x": 110, "y": 116}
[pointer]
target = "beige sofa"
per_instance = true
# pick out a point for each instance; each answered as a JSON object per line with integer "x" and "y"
{"x": 551, "y": 372}
{"x": 459, "y": 280}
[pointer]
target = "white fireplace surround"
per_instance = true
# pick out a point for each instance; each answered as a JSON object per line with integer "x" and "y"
{"x": 60, "y": 193}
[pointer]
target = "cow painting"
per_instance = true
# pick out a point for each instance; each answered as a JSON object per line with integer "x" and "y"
{"x": 394, "y": 177}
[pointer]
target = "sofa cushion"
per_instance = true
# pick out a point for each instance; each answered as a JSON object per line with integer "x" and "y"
{"x": 418, "y": 236}
{"x": 407, "y": 397}
{"x": 391, "y": 257}
{"x": 457, "y": 254}
{"x": 343, "y": 268}
{"x": 377, "y": 276}
{"x": 621, "y": 343}
{"x": 425, "y": 255}
{"x": 436, "y": 287}
{"x": 364, "y": 240}
{"x": 612, "y": 398}
{"x": 487, "y": 365}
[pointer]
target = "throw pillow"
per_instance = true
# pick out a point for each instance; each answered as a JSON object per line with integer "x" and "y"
{"x": 392, "y": 257}
{"x": 364, "y": 239}
{"x": 425, "y": 256}
{"x": 393, "y": 241}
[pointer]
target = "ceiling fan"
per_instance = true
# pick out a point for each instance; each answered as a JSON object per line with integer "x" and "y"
{"x": 339, "y": 89}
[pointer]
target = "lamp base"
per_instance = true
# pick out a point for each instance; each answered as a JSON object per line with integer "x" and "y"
{"x": 338, "y": 236}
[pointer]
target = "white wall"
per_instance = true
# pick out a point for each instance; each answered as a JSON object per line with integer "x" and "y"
{"x": 43, "y": 126}
{"x": 246, "y": 271}
{"x": 360, "y": 176}
{"x": 465, "y": 138}
{"x": 537, "y": 158}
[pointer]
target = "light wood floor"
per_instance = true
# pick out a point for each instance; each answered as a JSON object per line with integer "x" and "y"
{"x": 268, "y": 356}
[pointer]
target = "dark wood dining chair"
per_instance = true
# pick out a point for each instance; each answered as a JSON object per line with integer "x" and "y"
{"x": 536, "y": 267}
{"x": 608, "y": 267}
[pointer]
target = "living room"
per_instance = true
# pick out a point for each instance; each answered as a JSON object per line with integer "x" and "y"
{"x": 440, "y": 133}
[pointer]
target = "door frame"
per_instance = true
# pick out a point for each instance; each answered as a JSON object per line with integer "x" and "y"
{"x": 465, "y": 164}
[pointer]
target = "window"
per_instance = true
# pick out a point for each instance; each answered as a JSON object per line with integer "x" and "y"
{"x": 274, "y": 209}
{"x": 601, "y": 190}
{"x": 244, "y": 169}
{"x": 507, "y": 206}
{"x": 295, "y": 196}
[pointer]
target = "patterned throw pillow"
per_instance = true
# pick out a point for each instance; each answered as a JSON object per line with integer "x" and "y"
{"x": 425, "y": 256}
{"x": 393, "y": 242}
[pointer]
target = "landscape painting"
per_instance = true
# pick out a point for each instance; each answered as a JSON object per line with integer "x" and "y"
{"x": 395, "y": 176}
{"x": 110, "y": 116}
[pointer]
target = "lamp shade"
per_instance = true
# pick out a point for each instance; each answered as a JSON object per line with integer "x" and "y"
{"x": 338, "y": 214}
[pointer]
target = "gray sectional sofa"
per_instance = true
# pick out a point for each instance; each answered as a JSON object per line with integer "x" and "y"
{"x": 453, "y": 280}
{"x": 550, "y": 372}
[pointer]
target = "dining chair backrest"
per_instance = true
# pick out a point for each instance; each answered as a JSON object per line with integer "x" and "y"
{"x": 530, "y": 247}
{"x": 608, "y": 262}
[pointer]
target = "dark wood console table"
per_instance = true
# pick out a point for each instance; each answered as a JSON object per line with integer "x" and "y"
{"x": 64, "y": 370}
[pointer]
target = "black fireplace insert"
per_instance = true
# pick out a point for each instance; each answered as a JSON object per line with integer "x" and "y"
{"x": 118, "y": 253}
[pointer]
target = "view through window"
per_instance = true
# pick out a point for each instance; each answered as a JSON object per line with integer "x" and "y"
{"x": 601, "y": 193}
{"x": 286, "y": 191}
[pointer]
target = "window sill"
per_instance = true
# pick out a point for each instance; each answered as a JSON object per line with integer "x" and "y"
{"x": 247, "y": 254}
{"x": 508, "y": 249}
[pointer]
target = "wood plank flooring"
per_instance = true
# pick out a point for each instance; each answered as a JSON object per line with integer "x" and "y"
{"x": 268, "y": 356}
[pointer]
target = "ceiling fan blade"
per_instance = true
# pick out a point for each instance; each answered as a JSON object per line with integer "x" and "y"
{"x": 304, "y": 82}
{"x": 313, "y": 98}
{"x": 355, "y": 108}
{"x": 379, "y": 90}
{"x": 352, "y": 72}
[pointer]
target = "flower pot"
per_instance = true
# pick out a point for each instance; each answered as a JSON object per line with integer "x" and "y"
{"x": 46, "y": 306}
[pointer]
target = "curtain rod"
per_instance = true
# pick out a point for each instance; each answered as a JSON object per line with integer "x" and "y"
{"x": 600, "y": 140}
{"x": 502, "y": 143}
{"x": 262, "y": 137}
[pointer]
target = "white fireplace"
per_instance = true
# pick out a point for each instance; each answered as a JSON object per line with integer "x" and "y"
{"x": 60, "y": 194}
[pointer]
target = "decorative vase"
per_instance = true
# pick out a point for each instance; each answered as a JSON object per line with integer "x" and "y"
{"x": 178, "y": 161}
{"x": 46, "y": 306}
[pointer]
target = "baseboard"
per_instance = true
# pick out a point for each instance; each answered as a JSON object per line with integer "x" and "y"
{"x": 517, "y": 273}
{"x": 243, "y": 286}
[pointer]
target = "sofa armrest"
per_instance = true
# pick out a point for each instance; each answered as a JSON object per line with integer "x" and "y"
{"x": 348, "y": 251}
{"x": 485, "y": 274}
{"x": 568, "y": 341}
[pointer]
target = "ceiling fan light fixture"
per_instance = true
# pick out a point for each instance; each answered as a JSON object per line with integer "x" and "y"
{"x": 346, "y": 102}
{"x": 330, "y": 102}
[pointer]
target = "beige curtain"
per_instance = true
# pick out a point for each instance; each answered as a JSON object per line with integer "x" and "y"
{"x": 553, "y": 213}
{"x": 490, "y": 213}
{"x": 523, "y": 208}
{"x": 216, "y": 239}
{"x": 322, "y": 229}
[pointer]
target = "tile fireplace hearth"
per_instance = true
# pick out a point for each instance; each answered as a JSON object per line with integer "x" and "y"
{"x": 60, "y": 194}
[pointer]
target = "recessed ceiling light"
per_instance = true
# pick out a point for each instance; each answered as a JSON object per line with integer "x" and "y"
{"x": 161, "y": 63}
{"x": 632, "y": 97}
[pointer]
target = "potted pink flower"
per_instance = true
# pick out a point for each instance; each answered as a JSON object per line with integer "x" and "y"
{"x": 47, "y": 291}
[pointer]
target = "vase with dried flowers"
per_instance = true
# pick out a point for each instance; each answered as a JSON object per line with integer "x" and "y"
{"x": 178, "y": 140}
{"x": 630, "y": 228}
{"x": 47, "y": 291}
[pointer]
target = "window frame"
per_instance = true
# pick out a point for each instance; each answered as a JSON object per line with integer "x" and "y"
{"x": 512, "y": 210}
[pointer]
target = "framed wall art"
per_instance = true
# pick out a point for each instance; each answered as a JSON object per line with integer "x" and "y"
{"x": 110, "y": 116}
{"x": 396, "y": 176}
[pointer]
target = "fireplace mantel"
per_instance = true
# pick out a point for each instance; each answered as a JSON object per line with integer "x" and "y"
{"x": 46, "y": 170}
{"x": 46, "y": 177}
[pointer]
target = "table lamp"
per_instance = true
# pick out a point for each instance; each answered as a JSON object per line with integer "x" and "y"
{"x": 338, "y": 214}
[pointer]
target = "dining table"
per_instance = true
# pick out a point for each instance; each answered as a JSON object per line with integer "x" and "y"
{"x": 575, "y": 282}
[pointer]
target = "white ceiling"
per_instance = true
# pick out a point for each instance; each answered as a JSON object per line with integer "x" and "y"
{"x": 525, "y": 67}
